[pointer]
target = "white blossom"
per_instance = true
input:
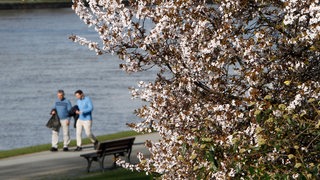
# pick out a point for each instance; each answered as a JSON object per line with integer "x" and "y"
{"x": 227, "y": 74}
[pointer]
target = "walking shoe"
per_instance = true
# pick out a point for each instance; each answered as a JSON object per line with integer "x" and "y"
{"x": 78, "y": 148}
{"x": 95, "y": 144}
{"x": 53, "y": 149}
{"x": 65, "y": 149}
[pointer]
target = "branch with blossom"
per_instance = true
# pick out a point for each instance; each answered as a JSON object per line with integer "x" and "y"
{"x": 237, "y": 91}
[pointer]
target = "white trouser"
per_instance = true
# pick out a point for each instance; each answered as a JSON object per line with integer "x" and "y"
{"x": 66, "y": 134}
{"x": 86, "y": 124}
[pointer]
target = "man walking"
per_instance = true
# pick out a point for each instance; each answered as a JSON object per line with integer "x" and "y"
{"x": 62, "y": 106}
{"x": 85, "y": 119}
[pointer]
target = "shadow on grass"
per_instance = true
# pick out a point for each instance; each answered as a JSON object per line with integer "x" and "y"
{"x": 117, "y": 174}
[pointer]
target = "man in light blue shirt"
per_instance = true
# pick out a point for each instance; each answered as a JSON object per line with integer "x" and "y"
{"x": 85, "y": 119}
{"x": 62, "y": 106}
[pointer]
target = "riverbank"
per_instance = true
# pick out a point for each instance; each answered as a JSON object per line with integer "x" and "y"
{"x": 34, "y": 4}
{"x": 46, "y": 147}
{"x": 38, "y": 4}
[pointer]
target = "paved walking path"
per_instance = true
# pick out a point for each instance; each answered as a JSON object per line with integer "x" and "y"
{"x": 58, "y": 165}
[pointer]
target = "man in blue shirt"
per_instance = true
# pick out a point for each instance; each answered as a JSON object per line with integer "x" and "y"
{"x": 85, "y": 119}
{"x": 62, "y": 106}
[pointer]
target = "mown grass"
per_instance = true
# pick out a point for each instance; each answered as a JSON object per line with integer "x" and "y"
{"x": 118, "y": 174}
{"x": 46, "y": 147}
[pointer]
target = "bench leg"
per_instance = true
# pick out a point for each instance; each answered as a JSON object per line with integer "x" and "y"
{"x": 101, "y": 162}
{"x": 129, "y": 153}
{"x": 115, "y": 159}
{"x": 89, "y": 160}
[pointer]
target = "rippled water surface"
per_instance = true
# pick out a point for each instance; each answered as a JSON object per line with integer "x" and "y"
{"x": 37, "y": 58}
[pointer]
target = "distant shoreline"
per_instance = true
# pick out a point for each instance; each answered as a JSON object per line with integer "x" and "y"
{"x": 36, "y": 5}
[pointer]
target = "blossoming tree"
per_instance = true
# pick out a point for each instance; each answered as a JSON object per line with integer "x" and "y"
{"x": 237, "y": 89}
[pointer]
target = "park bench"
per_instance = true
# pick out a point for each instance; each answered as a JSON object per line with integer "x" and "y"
{"x": 116, "y": 147}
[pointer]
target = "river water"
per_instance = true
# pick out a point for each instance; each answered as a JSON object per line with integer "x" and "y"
{"x": 37, "y": 59}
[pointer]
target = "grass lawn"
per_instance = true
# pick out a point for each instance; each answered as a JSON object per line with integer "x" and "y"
{"x": 118, "y": 174}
